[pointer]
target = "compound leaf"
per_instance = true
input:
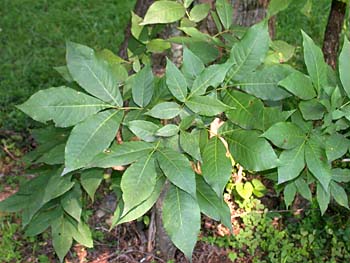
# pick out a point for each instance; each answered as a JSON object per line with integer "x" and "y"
{"x": 91, "y": 137}
{"x": 250, "y": 150}
{"x": 316, "y": 66}
{"x": 90, "y": 180}
{"x": 206, "y": 105}
{"x": 65, "y": 106}
{"x": 176, "y": 81}
{"x": 216, "y": 167}
{"x": 141, "y": 175}
{"x": 181, "y": 219}
{"x": 344, "y": 66}
{"x": 177, "y": 169}
{"x": 93, "y": 74}
{"x": 250, "y": 52}
{"x": 292, "y": 162}
{"x": 163, "y": 12}
{"x": 165, "y": 110}
{"x": 121, "y": 154}
{"x": 285, "y": 135}
{"x": 225, "y": 12}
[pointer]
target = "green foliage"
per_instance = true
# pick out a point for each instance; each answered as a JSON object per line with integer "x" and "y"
{"x": 164, "y": 123}
{"x": 9, "y": 245}
{"x": 264, "y": 237}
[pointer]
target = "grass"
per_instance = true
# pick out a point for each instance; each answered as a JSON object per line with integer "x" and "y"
{"x": 292, "y": 20}
{"x": 32, "y": 42}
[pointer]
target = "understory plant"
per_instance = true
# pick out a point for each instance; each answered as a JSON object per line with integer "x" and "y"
{"x": 119, "y": 114}
{"x": 264, "y": 236}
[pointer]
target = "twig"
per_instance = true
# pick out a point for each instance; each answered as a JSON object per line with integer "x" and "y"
{"x": 9, "y": 153}
{"x": 151, "y": 231}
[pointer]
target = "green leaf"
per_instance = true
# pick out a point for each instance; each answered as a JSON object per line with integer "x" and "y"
{"x": 91, "y": 137}
{"x": 248, "y": 112}
{"x": 323, "y": 198}
{"x": 199, "y": 12}
{"x": 207, "y": 52}
{"x": 264, "y": 83}
{"x": 187, "y": 122}
{"x": 317, "y": 163}
{"x": 83, "y": 235}
{"x": 339, "y": 194}
{"x": 93, "y": 74}
{"x": 181, "y": 219}
{"x": 54, "y": 156}
{"x": 140, "y": 176}
{"x": 43, "y": 220}
{"x": 65, "y": 106}
{"x": 337, "y": 98}
{"x": 141, "y": 209}
{"x": 187, "y": 3}
{"x": 289, "y": 193}
{"x": 216, "y": 167}
{"x": 225, "y": 12}
{"x": 250, "y": 52}
{"x": 337, "y": 145}
{"x": 143, "y": 86}
{"x": 158, "y": 45}
{"x": 285, "y": 135}
{"x": 35, "y": 193}
{"x": 303, "y": 189}
{"x": 216, "y": 20}
{"x": 176, "y": 81}
{"x": 297, "y": 119}
{"x": 341, "y": 175}
{"x": 90, "y": 180}
{"x": 56, "y": 185}
{"x": 168, "y": 130}
{"x": 259, "y": 188}
{"x": 71, "y": 202}
{"x": 315, "y": 64}
{"x": 211, "y": 204}
{"x": 189, "y": 142}
{"x": 272, "y": 115}
{"x": 192, "y": 66}
{"x": 245, "y": 190}
{"x": 276, "y": 6}
{"x": 137, "y": 30}
{"x": 292, "y": 162}
{"x": 206, "y": 105}
{"x": 165, "y": 110}
{"x": 64, "y": 72}
{"x": 163, "y": 12}
{"x": 281, "y": 52}
{"x": 344, "y": 66}
{"x": 211, "y": 76}
{"x": 312, "y": 109}
{"x": 145, "y": 130}
{"x": 250, "y": 150}
{"x": 121, "y": 154}
{"x": 62, "y": 239}
{"x": 300, "y": 85}
{"x": 177, "y": 169}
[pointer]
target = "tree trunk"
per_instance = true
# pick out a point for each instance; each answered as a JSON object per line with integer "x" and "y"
{"x": 332, "y": 33}
{"x": 249, "y": 12}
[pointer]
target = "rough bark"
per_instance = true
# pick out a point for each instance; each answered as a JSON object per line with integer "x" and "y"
{"x": 333, "y": 31}
{"x": 250, "y": 12}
